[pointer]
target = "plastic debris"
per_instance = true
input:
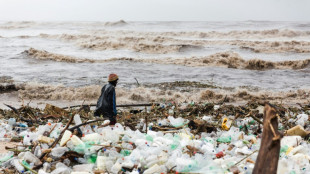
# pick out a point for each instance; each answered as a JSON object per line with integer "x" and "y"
{"x": 194, "y": 139}
{"x": 297, "y": 130}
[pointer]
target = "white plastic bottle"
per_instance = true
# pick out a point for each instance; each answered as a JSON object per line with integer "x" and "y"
{"x": 18, "y": 166}
{"x": 28, "y": 156}
{"x": 65, "y": 137}
{"x": 76, "y": 140}
{"x": 77, "y": 119}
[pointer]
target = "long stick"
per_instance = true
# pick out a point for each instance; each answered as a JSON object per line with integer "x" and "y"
{"x": 126, "y": 105}
{"x": 77, "y": 126}
{"x": 246, "y": 157}
{"x": 255, "y": 118}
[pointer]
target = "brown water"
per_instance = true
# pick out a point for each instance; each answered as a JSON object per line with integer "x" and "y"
{"x": 71, "y": 60}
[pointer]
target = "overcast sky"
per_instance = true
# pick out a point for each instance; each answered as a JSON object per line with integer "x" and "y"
{"x": 155, "y": 10}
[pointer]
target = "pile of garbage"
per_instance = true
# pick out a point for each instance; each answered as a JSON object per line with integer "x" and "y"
{"x": 164, "y": 138}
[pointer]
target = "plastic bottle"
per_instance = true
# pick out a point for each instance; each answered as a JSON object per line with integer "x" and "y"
{"x": 290, "y": 141}
{"x": 66, "y": 136}
{"x": 95, "y": 137}
{"x": 29, "y": 137}
{"x": 178, "y": 122}
{"x": 101, "y": 162}
{"x": 155, "y": 169}
{"x": 87, "y": 130}
{"x": 61, "y": 169}
{"x": 297, "y": 130}
{"x": 59, "y": 151}
{"x": 28, "y": 156}
{"x": 106, "y": 122}
{"x": 83, "y": 168}
{"x": 12, "y": 121}
{"x": 44, "y": 139}
{"x": 18, "y": 166}
{"x": 128, "y": 163}
{"x": 76, "y": 140}
{"x": 302, "y": 119}
{"x": 46, "y": 167}
{"x": 27, "y": 166}
{"x": 6, "y": 157}
{"x": 224, "y": 139}
{"x": 77, "y": 119}
{"x": 116, "y": 167}
{"x": 37, "y": 152}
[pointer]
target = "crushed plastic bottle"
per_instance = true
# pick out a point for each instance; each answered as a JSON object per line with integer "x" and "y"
{"x": 6, "y": 157}
{"x": 28, "y": 156}
{"x": 224, "y": 139}
{"x": 176, "y": 122}
{"x": 59, "y": 151}
{"x": 302, "y": 119}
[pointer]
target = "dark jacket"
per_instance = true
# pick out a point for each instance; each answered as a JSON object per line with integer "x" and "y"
{"x": 106, "y": 104}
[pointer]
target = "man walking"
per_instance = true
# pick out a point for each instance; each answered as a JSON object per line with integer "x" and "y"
{"x": 106, "y": 104}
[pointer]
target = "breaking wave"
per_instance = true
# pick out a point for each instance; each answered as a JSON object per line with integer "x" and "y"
{"x": 144, "y": 94}
{"x": 118, "y": 23}
{"x": 170, "y": 42}
{"x": 222, "y": 59}
{"x": 17, "y": 25}
{"x": 44, "y": 55}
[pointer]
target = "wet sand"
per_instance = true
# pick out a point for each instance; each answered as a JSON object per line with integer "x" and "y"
{"x": 8, "y": 144}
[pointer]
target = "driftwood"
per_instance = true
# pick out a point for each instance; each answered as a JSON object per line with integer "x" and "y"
{"x": 89, "y": 122}
{"x": 127, "y": 105}
{"x": 267, "y": 159}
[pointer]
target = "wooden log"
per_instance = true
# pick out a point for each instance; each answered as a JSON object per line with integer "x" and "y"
{"x": 267, "y": 159}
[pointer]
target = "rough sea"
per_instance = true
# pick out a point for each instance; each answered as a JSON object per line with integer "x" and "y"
{"x": 253, "y": 55}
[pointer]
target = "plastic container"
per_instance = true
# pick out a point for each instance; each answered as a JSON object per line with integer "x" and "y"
{"x": 176, "y": 122}
{"x": 6, "y": 157}
{"x": 290, "y": 141}
{"x": 76, "y": 140}
{"x": 18, "y": 166}
{"x": 37, "y": 152}
{"x": 297, "y": 130}
{"x": 116, "y": 167}
{"x": 83, "y": 168}
{"x": 302, "y": 119}
{"x": 224, "y": 139}
{"x": 44, "y": 139}
{"x": 59, "y": 151}
{"x": 12, "y": 121}
{"x": 77, "y": 119}
{"x": 226, "y": 124}
{"x": 66, "y": 136}
{"x": 95, "y": 137}
{"x": 28, "y": 156}
{"x": 155, "y": 169}
{"x": 101, "y": 162}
